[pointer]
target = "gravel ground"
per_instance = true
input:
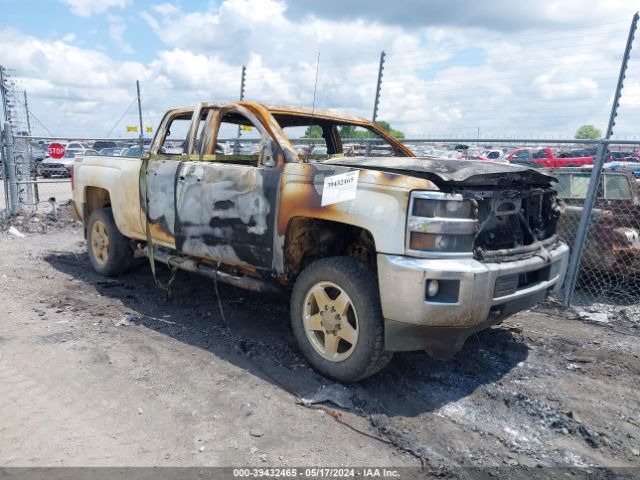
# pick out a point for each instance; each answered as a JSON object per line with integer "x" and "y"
{"x": 99, "y": 372}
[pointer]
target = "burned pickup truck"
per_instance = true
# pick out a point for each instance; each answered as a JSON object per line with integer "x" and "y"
{"x": 379, "y": 254}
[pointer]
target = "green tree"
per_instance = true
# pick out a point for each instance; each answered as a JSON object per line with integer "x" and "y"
{"x": 588, "y": 132}
{"x": 351, "y": 132}
{"x": 392, "y": 131}
{"x": 314, "y": 131}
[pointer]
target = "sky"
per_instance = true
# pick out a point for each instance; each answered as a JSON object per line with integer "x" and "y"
{"x": 452, "y": 69}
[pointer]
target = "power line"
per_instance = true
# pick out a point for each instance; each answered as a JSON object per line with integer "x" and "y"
{"x": 121, "y": 117}
{"x": 30, "y": 112}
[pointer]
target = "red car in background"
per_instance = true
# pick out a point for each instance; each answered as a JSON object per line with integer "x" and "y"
{"x": 545, "y": 158}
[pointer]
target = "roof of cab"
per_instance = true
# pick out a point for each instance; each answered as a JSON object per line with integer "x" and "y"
{"x": 321, "y": 114}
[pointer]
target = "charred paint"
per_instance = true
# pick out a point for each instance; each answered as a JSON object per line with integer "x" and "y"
{"x": 453, "y": 172}
{"x": 160, "y": 195}
{"x": 226, "y": 212}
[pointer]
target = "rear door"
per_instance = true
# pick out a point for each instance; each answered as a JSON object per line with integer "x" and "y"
{"x": 226, "y": 200}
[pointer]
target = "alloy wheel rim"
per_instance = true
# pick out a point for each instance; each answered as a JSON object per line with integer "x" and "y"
{"x": 99, "y": 242}
{"x": 330, "y": 321}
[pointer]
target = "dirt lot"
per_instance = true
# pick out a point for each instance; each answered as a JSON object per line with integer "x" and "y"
{"x": 97, "y": 371}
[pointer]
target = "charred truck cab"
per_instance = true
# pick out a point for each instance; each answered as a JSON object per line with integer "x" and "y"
{"x": 380, "y": 251}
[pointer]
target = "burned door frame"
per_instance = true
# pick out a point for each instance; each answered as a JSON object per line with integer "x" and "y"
{"x": 158, "y": 191}
{"x": 225, "y": 211}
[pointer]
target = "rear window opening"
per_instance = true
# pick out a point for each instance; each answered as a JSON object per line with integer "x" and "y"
{"x": 574, "y": 186}
{"x": 321, "y": 139}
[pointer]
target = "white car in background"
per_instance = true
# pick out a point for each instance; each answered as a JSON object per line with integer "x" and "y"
{"x": 76, "y": 146}
{"x": 62, "y": 166}
{"x": 494, "y": 155}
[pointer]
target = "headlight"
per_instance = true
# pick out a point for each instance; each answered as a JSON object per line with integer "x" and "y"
{"x": 429, "y": 208}
{"x": 440, "y": 223}
{"x": 441, "y": 243}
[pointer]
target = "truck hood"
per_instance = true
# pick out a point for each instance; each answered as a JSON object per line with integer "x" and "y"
{"x": 467, "y": 172}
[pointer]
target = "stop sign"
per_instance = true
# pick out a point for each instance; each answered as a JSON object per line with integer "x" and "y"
{"x": 56, "y": 150}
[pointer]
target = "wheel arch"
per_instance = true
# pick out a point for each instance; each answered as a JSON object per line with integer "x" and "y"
{"x": 94, "y": 198}
{"x": 308, "y": 239}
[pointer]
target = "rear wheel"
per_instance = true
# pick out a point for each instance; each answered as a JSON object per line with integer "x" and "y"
{"x": 109, "y": 250}
{"x": 337, "y": 320}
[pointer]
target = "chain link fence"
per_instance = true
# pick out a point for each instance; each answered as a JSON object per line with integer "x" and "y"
{"x": 610, "y": 265}
{"x": 40, "y": 183}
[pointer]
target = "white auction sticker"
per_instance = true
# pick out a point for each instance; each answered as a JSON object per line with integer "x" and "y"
{"x": 340, "y": 188}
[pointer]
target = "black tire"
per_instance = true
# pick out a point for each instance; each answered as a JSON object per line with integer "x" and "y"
{"x": 359, "y": 281}
{"x": 117, "y": 256}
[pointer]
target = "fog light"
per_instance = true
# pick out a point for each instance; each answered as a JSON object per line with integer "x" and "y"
{"x": 432, "y": 288}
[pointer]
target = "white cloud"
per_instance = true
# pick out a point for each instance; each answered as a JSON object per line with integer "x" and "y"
{"x": 117, "y": 29}
{"x": 86, "y": 8}
{"x": 71, "y": 89}
{"x": 438, "y": 80}
{"x": 575, "y": 89}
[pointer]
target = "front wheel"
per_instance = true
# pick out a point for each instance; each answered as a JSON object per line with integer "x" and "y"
{"x": 109, "y": 250}
{"x": 337, "y": 321}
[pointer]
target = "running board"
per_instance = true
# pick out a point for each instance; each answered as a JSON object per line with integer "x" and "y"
{"x": 240, "y": 281}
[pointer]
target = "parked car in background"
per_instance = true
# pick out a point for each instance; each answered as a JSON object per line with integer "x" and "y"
{"x": 76, "y": 146}
{"x": 131, "y": 152}
{"x": 493, "y": 154}
{"x": 61, "y": 167}
{"x": 614, "y": 245}
{"x": 111, "y": 152}
{"x": 471, "y": 156}
{"x": 633, "y": 167}
{"x": 38, "y": 154}
{"x": 574, "y": 153}
{"x": 545, "y": 158}
{"x": 102, "y": 144}
{"x": 440, "y": 153}
{"x": 619, "y": 156}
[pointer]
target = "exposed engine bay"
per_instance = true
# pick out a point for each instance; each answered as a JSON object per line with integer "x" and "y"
{"x": 513, "y": 221}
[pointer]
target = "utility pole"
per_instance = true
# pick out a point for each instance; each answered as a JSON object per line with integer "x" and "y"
{"x": 378, "y": 86}
{"x": 140, "y": 119}
{"x": 26, "y": 107}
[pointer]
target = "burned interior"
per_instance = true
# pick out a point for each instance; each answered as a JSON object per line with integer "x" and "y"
{"x": 332, "y": 132}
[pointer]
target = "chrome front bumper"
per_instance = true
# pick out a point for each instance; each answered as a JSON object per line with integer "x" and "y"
{"x": 474, "y": 292}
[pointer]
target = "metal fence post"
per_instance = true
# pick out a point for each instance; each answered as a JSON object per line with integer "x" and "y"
{"x": 592, "y": 192}
{"x": 243, "y": 78}
{"x": 3, "y": 172}
{"x": 583, "y": 226}
{"x": 378, "y": 87}
{"x": 14, "y": 206}
{"x": 141, "y": 137}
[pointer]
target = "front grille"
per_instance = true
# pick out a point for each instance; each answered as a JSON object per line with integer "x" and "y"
{"x": 510, "y": 284}
{"x": 510, "y": 219}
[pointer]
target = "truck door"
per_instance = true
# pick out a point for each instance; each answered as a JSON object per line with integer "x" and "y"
{"x": 168, "y": 151}
{"x": 226, "y": 201}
